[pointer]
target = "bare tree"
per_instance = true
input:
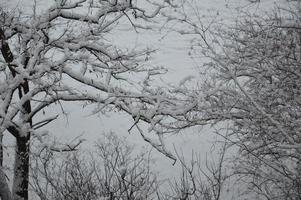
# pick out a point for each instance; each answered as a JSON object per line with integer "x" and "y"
{"x": 63, "y": 54}
{"x": 198, "y": 181}
{"x": 113, "y": 172}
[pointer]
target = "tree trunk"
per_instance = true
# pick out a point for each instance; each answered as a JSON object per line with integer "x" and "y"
{"x": 4, "y": 189}
{"x": 21, "y": 170}
{"x": 1, "y": 149}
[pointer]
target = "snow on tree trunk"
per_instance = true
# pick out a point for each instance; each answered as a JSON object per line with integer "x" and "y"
{"x": 21, "y": 169}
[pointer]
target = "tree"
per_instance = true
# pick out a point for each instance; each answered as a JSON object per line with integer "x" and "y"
{"x": 116, "y": 170}
{"x": 63, "y": 54}
{"x": 199, "y": 181}
{"x": 252, "y": 83}
{"x": 112, "y": 172}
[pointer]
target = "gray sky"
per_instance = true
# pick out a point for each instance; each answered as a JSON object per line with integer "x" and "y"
{"x": 173, "y": 54}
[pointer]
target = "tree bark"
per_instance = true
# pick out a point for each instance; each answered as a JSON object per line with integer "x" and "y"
{"x": 21, "y": 170}
{"x": 4, "y": 189}
{"x": 1, "y": 149}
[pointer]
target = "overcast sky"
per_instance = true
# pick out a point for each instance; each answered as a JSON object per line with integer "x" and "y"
{"x": 173, "y": 54}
